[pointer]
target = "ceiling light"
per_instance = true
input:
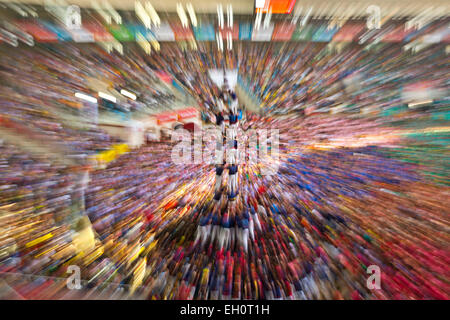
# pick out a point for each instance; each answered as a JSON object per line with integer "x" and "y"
{"x": 107, "y": 96}
{"x": 230, "y": 15}
{"x": 259, "y": 4}
{"x": 153, "y": 14}
{"x": 220, "y": 16}
{"x": 182, "y": 15}
{"x": 85, "y": 97}
{"x": 142, "y": 14}
{"x": 128, "y": 94}
{"x": 191, "y": 12}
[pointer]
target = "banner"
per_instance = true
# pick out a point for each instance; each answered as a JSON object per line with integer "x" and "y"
{"x": 187, "y": 113}
{"x": 324, "y": 33}
{"x": 415, "y": 33}
{"x": 283, "y": 31}
{"x": 397, "y": 35}
{"x": 349, "y": 32}
{"x": 60, "y": 32}
{"x": 136, "y": 29}
{"x": 99, "y": 32}
{"x": 81, "y": 36}
{"x": 120, "y": 148}
{"x": 278, "y": 6}
{"x": 245, "y": 31}
{"x": 205, "y": 33}
{"x": 167, "y": 78}
{"x": 120, "y": 32}
{"x": 164, "y": 32}
{"x": 234, "y": 32}
{"x": 181, "y": 33}
{"x": 166, "y": 117}
{"x": 38, "y": 31}
{"x": 440, "y": 35}
{"x": 178, "y": 115}
{"x": 304, "y": 33}
{"x": 421, "y": 91}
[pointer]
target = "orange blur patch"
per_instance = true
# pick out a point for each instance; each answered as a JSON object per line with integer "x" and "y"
{"x": 279, "y": 6}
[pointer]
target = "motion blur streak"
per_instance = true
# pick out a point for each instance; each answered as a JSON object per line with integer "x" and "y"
{"x": 92, "y": 206}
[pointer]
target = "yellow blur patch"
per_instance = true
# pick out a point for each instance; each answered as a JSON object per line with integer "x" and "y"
{"x": 46, "y": 251}
{"x": 39, "y": 240}
{"x": 137, "y": 254}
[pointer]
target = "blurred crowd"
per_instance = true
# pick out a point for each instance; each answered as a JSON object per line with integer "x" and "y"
{"x": 294, "y": 79}
{"x": 348, "y": 193}
{"x": 39, "y": 85}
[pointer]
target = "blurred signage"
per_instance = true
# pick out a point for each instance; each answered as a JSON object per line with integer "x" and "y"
{"x": 349, "y": 32}
{"x": 164, "y": 32}
{"x": 277, "y": 6}
{"x": 440, "y": 35}
{"x": 38, "y": 31}
{"x": 187, "y": 113}
{"x": 304, "y": 33}
{"x": 120, "y": 32}
{"x": 181, "y": 33}
{"x": 245, "y": 31}
{"x": 141, "y": 29}
{"x": 324, "y": 33}
{"x": 234, "y": 32}
{"x": 414, "y": 34}
{"x": 178, "y": 115}
{"x": 81, "y": 35}
{"x": 167, "y": 117}
{"x": 396, "y": 35}
{"x": 164, "y": 76}
{"x": 205, "y": 32}
{"x": 263, "y": 34}
{"x": 283, "y": 31}
{"x": 98, "y": 31}
{"x": 419, "y": 91}
{"x": 60, "y": 32}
